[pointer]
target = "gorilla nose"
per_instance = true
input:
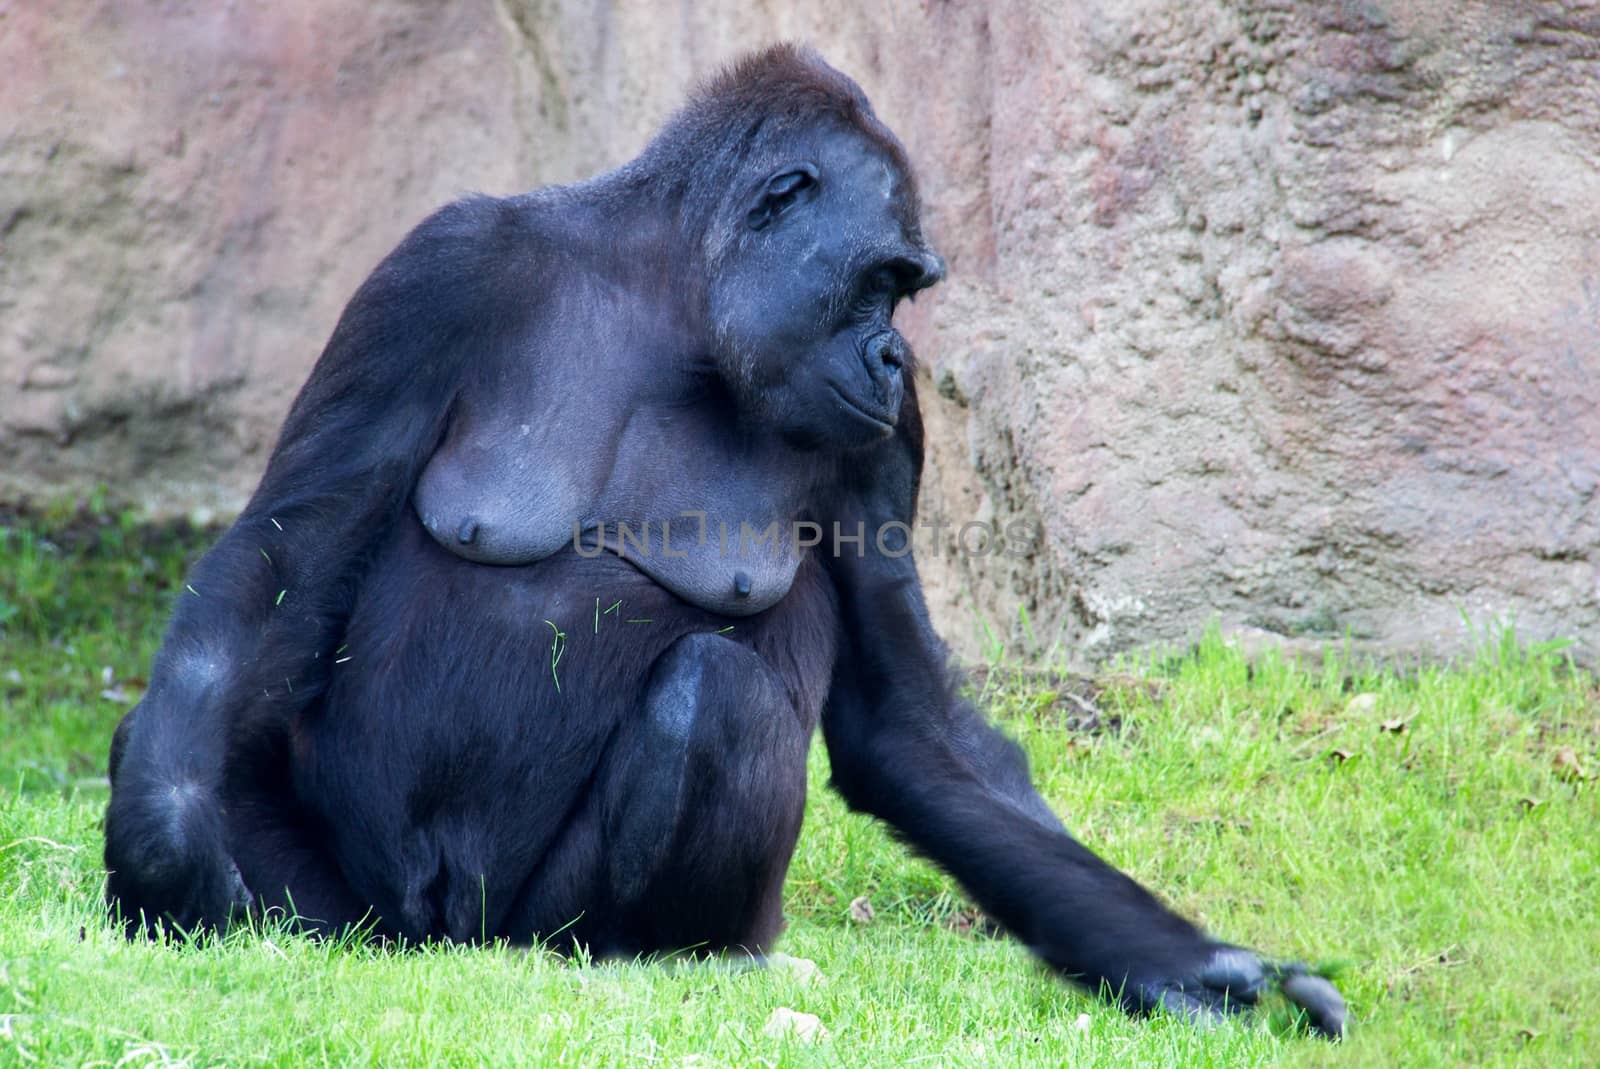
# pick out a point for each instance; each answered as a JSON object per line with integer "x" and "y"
{"x": 885, "y": 351}
{"x": 932, "y": 265}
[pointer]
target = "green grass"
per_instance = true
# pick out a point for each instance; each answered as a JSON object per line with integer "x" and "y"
{"x": 1453, "y": 867}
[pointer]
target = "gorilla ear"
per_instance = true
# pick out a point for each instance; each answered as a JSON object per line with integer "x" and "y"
{"x": 783, "y": 191}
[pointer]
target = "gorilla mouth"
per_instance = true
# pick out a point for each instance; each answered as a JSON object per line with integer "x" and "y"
{"x": 881, "y": 418}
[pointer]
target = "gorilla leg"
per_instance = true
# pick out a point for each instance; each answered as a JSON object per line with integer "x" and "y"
{"x": 459, "y": 785}
{"x": 686, "y": 838}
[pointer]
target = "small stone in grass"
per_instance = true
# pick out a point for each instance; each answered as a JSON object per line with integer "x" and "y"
{"x": 1397, "y": 726}
{"x": 784, "y": 1023}
{"x": 1361, "y": 703}
{"x": 861, "y": 910}
{"x": 1082, "y": 1023}
{"x": 803, "y": 970}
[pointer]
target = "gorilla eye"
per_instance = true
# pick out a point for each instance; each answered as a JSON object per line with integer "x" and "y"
{"x": 782, "y": 192}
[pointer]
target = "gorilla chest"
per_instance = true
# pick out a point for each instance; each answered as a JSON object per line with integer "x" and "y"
{"x": 712, "y": 518}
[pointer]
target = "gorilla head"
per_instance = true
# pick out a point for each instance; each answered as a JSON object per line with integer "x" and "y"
{"x": 811, "y": 240}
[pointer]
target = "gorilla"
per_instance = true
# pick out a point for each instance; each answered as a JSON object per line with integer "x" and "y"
{"x": 592, "y": 510}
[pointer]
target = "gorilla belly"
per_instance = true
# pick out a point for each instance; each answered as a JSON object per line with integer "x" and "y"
{"x": 446, "y": 781}
{"x": 441, "y": 776}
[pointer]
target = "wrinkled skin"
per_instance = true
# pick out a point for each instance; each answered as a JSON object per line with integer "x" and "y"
{"x": 463, "y": 670}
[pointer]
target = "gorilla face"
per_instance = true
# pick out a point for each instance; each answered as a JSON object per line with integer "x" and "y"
{"x": 803, "y": 299}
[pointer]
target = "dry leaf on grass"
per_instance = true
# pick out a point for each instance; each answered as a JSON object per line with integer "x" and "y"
{"x": 973, "y": 922}
{"x": 1079, "y": 746}
{"x": 1567, "y": 765}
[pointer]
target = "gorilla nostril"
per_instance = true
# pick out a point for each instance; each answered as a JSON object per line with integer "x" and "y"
{"x": 885, "y": 350}
{"x": 932, "y": 270}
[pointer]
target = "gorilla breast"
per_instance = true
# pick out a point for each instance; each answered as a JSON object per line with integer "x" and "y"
{"x": 693, "y": 452}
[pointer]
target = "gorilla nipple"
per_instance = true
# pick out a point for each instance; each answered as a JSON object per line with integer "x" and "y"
{"x": 468, "y": 531}
{"x": 741, "y": 584}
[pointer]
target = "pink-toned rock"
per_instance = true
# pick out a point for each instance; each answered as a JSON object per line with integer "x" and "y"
{"x": 1285, "y": 315}
{"x": 188, "y": 195}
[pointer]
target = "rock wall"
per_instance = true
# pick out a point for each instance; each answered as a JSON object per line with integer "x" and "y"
{"x": 1281, "y": 314}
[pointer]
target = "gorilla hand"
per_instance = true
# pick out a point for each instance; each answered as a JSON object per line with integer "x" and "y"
{"x": 1233, "y": 978}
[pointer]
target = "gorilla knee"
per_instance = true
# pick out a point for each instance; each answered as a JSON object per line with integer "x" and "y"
{"x": 700, "y": 678}
{"x": 673, "y": 700}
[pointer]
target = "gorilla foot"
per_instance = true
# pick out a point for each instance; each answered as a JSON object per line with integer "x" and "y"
{"x": 168, "y": 866}
{"x": 161, "y": 908}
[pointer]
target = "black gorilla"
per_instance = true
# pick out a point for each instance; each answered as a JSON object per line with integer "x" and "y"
{"x": 526, "y": 631}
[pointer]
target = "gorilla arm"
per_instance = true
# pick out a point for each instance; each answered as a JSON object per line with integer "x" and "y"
{"x": 255, "y": 630}
{"x": 905, "y": 747}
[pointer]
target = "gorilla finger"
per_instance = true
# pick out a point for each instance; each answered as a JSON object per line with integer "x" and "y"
{"x": 1321, "y": 1002}
{"x": 1197, "y": 1012}
{"x": 1237, "y": 972}
{"x": 240, "y": 901}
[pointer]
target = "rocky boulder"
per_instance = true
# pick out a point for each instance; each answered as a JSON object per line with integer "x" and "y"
{"x": 1285, "y": 315}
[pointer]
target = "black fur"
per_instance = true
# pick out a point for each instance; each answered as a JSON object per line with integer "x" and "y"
{"x": 387, "y": 698}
